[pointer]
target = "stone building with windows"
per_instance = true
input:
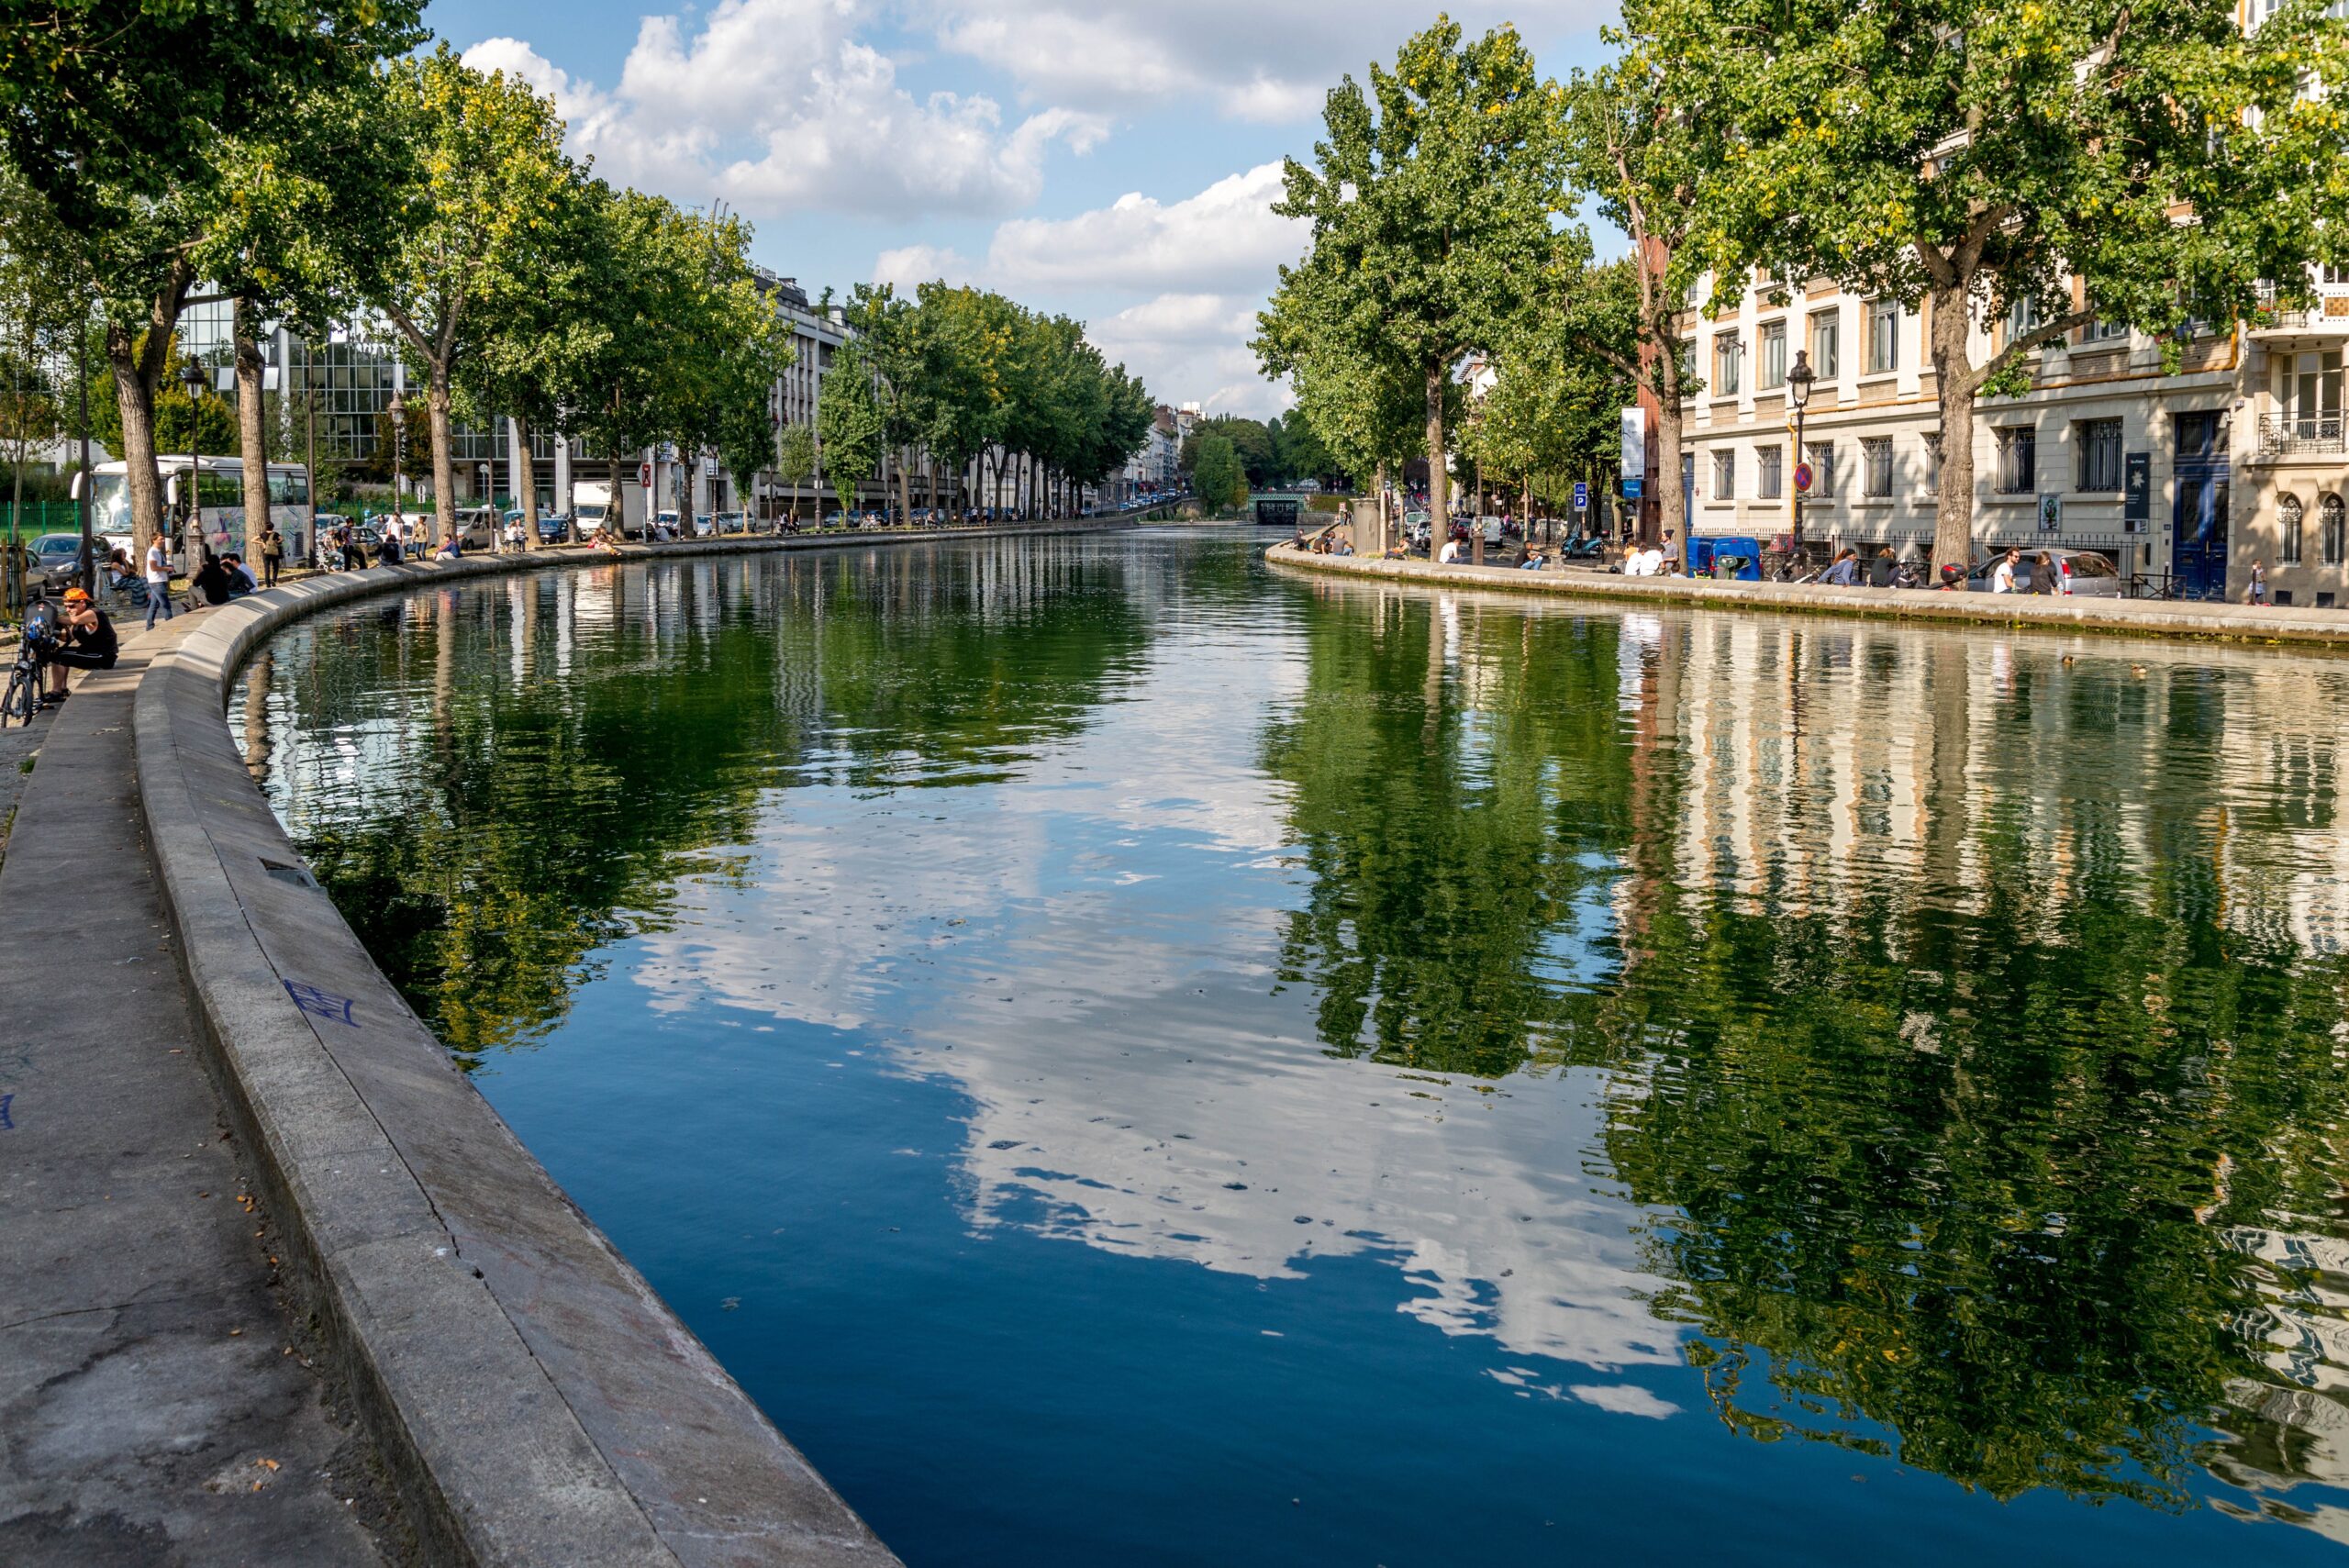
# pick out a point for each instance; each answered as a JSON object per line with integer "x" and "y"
{"x": 2118, "y": 447}
{"x": 2292, "y": 494}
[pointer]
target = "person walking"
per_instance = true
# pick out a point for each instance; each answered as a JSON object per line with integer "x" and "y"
{"x": 159, "y": 581}
{"x": 2257, "y": 592}
{"x": 273, "y": 554}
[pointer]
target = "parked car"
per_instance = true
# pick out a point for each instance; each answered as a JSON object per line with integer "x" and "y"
{"x": 2082, "y": 571}
{"x": 477, "y": 527}
{"x": 54, "y": 560}
{"x": 731, "y": 523}
{"x": 703, "y": 526}
{"x": 554, "y": 527}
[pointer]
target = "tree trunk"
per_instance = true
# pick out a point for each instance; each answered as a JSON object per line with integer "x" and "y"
{"x": 526, "y": 479}
{"x": 1670, "y": 497}
{"x": 135, "y": 401}
{"x": 615, "y": 515}
{"x": 1953, "y": 387}
{"x": 444, "y": 467}
{"x": 252, "y": 441}
{"x": 1386, "y": 539}
{"x": 905, "y": 494}
{"x": 1439, "y": 508}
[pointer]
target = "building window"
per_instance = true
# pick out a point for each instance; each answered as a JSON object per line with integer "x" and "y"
{"x": 1770, "y": 472}
{"x": 1876, "y": 466}
{"x": 2106, "y": 331}
{"x": 1724, "y": 474}
{"x": 2330, "y": 530}
{"x": 2022, "y": 317}
{"x": 1932, "y": 439}
{"x": 1884, "y": 336}
{"x": 2099, "y": 444}
{"x": 2290, "y": 524}
{"x": 1773, "y": 356}
{"x": 2283, "y": 597}
{"x": 1725, "y": 357}
{"x": 2018, "y": 462}
{"x": 1826, "y": 338}
{"x": 1823, "y": 469}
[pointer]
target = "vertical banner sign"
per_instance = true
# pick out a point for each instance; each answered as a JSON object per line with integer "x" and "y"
{"x": 2050, "y": 514}
{"x": 1635, "y": 445}
{"x": 2137, "y": 504}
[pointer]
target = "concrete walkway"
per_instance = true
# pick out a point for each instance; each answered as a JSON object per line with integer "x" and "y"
{"x": 156, "y": 1407}
{"x": 2135, "y": 618}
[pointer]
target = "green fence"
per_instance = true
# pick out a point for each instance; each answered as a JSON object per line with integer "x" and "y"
{"x": 38, "y": 518}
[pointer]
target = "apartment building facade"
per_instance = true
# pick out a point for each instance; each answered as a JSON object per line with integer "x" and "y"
{"x": 2124, "y": 444}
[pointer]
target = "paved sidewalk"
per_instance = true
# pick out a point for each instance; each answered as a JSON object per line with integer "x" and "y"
{"x": 155, "y": 1405}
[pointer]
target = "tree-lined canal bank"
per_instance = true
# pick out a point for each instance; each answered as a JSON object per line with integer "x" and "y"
{"x": 1125, "y": 1052}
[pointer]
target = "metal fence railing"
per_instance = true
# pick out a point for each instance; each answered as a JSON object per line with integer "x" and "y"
{"x": 39, "y": 517}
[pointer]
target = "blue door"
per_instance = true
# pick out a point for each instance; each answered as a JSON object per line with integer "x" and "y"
{"x": 2198, "y": 524}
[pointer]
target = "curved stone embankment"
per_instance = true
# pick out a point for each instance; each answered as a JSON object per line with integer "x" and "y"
{"x": 2004, "y": 612}
{"x": 535, "y": 1400}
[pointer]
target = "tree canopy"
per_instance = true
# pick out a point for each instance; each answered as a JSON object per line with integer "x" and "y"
{"x": 1431, "y": 200}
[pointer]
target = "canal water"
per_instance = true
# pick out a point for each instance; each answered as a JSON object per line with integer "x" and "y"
{"x": 1134, "y": 1057}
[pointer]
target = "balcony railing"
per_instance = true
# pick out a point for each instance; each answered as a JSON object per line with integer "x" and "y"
{"x": 2282, "y": 435}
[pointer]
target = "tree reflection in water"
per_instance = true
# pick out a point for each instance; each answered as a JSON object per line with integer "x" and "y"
{"x": 1974, "y": 1017}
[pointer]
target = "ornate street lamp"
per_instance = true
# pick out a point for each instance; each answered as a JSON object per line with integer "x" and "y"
{"x": 397, "y": 409}
{"x": 1798, "y": 381}
{"x": 192, "y": 377}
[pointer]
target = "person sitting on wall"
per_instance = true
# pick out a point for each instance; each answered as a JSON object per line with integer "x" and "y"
{"x": 240, "y": 576}
{"x": 211, "y": 579}
{"x": 85, "y": 640}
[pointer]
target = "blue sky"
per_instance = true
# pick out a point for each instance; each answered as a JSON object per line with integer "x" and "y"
{"x": 1108, "y": 158}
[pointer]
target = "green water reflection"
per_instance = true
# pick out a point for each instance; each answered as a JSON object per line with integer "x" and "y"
{"x": 1970, "y": 1010}
{"x": 1976, "y": 1014}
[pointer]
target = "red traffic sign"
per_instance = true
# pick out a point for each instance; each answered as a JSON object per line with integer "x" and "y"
{"x": 1803, "y": 477}
{"x": 644, "y": 474}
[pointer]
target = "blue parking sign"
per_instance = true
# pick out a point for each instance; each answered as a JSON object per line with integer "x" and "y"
{"x": 1582, "y": 495}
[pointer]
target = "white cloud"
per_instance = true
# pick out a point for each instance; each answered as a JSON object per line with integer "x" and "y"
{"x": 1251, "y": 61}
{"x": 779, "y": 105}
{"x": 1202, "y": 267}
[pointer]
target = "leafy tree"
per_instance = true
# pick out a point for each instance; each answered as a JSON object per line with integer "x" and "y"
{"x": 112, "y": 112}
{"x": 1646, "y": 137}
{"x": 1552, "y": 410}
{"x": 1250, "y": 439}
{"x": 1218, "y": 477}
{"x": 1428, "y": 213}
{"x": 486, "y": 181}
{"x": 850, "y": 423}
{"x": 1298, "y": 451}
{"x": 794, "y": 459}
{"x": 299, "y": 206}
{"x": 2024, "y": 162}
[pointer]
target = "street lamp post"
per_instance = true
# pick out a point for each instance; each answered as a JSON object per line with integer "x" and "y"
{"x": 192, "y": 378}
{"x": 1798, "y": 381}
{"x": 397, "y": 409}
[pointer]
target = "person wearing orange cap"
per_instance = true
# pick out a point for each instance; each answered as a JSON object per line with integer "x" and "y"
{"x": 86, "y": 641}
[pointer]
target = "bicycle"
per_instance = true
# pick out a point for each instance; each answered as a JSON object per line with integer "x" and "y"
{"x": 22, "y": 699}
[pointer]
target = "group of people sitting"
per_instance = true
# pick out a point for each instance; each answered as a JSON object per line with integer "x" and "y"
{"x": 1652, "y": 562}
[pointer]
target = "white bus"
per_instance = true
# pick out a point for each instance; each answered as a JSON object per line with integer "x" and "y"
{"x": 221, "y": 491}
